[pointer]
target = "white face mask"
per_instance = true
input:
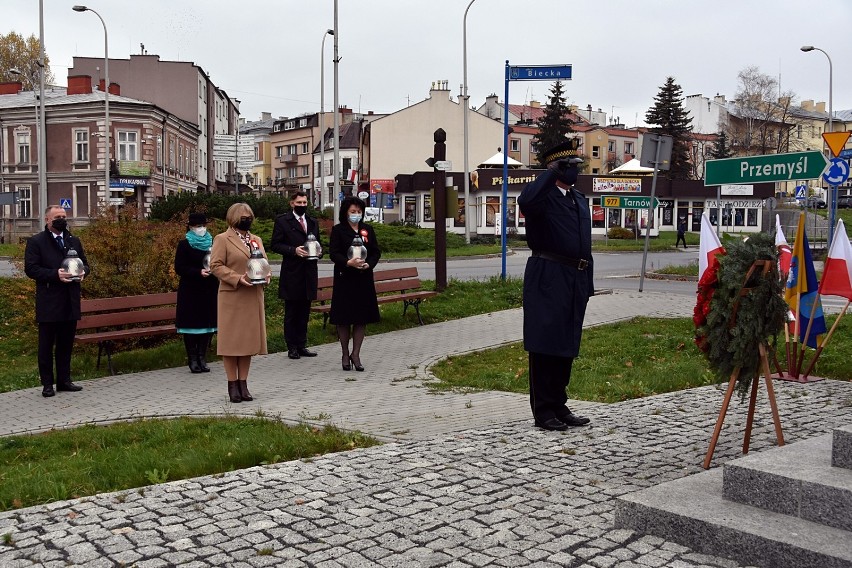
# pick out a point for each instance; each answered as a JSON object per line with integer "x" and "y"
{"x": 354, "y": 218}
{"x": 199, "y": 231}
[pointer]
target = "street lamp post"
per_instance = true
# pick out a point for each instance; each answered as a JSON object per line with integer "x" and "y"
{"x": 42, "y": 128}
{"x": 322, "y": 118}
{"x": 832, "y": 189}
{"x": 79, "y": 8}
{"x": 335, "y": 171}
{"x": 466, "y": 101}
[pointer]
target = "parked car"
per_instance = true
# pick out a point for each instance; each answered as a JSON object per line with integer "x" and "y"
{"x": 844, "y": 202}
{"x": 814, "y": 202}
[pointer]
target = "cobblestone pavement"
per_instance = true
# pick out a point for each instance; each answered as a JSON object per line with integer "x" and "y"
{"x": 493, "y": 494}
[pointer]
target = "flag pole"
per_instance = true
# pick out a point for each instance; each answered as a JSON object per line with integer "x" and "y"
{"x": 824, "y": 341}
{"x": 796, "y": 334}
{"x": 807, "y": 335}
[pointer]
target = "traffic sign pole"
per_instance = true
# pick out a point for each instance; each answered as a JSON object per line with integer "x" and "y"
{"x": 659, "y": 141}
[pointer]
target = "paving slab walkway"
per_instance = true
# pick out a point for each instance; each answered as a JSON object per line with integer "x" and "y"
{"x": 485, "y": 490}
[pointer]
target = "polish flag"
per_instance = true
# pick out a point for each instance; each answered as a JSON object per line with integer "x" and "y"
{"x": 708, "y": 247}
{"x": 351, "y": 175}
{"x": 785, "y": 255}
{"x": 837, "y": 274}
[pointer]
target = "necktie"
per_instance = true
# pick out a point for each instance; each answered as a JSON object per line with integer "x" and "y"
{"x": 61, "y": 242}
{"x": 302, "y": 223}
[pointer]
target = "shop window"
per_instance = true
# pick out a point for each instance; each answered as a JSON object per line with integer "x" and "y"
{"x": 751, "y": 217}
{"x": 427, "y": 208}
{"x": 492, "y": 210}
{"x": 739, "y": 217}
{"x": 410, "y": 212}
{"x": 696, "y": 218}
{"x": 459, "y": 220}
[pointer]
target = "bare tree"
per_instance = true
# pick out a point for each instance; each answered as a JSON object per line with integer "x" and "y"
{"x": 761, "y": 117}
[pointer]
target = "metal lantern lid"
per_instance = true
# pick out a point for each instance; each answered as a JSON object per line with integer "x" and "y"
{"x": 73, "y": 265}
{"x": 312, "y": 246}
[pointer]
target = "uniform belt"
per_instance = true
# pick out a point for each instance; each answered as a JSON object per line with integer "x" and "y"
{"x": 578, "y": 263}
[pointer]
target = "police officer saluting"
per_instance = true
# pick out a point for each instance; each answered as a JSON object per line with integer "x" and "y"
{"x": 557, "y": 283}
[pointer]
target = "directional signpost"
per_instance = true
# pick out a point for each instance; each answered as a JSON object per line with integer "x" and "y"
{"x": 628, "y": 201}
{"x": 772, "y": 167}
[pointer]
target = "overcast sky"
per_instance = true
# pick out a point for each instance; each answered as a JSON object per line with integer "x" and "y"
{"x": 266, "y": 53}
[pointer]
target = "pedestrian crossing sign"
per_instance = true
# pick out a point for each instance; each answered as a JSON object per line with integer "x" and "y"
{"x": 801, "y": 191}
{"x": 65, "y": 203}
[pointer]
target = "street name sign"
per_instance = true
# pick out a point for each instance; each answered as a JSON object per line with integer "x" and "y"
{"x": 443, "y": 165}
{"x": 628, "y": 201}
{"x": 540, "y": 73}
{"x": 767, "y": 168}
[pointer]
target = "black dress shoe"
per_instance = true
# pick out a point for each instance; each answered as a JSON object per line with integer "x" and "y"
{"x": 551, "y": 424}
{"x": 574, "y": 420}
{"x": 68, "y": 387}
{"x": 48, "y": 392}
{"x": 303, "y": 352}
{"x": 293, "y": 354}
{"x": 356, "y": 364}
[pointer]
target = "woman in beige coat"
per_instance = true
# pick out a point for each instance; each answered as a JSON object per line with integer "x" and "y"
{"x": 242, "y": 318}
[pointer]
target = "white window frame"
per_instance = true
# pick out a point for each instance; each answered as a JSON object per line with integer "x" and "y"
{"x": 128, "y": 145}
{"x": 25, "y": 203}
{"x": 596, "y": 151}
{"x": 514, "y": 144}
{"x": 305, "y": 147}
{"x": 305, "y": 171}
{"x": 23, "y": 146}
{"x": 81, "y": 145}
{"x": 628, "y": 148}
{"x": 292, "y": 172}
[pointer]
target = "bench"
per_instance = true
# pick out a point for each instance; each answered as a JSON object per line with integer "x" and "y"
{"x": 107, "y": 320}
{"x": 396, "y": 285}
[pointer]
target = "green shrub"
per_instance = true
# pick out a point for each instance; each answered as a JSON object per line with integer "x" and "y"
{"x": 620, "y": 233}
{"x": 402, "y": 238}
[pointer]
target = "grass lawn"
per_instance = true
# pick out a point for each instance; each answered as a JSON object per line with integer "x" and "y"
{"x": 67, "y": 464}
{"x": 632, "y": 359}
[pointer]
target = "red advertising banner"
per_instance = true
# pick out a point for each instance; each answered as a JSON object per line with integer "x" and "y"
{"x": 597, "y": 213}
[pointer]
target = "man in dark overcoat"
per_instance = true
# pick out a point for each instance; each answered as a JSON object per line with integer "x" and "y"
{"x": 298, "y": 283}
{"x": 57, "y": 300}
{"x": 557, "y": 283}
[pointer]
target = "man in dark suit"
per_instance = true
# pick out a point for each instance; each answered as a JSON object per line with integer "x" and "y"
{"x": 298, "y": 283}
{"x": 557, "y": 283}
{"x": 57, "y": 298}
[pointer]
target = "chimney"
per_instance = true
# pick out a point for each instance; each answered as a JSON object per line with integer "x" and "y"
{"x": 266, "y": 116}
{"x": 11, "y": 88}
{"x": 808, "y": 105}
{"x": 114, "y": 88}
{"x": 720, "y": 99}
{"x": 535, "y": 104}
{"x": 820, "y": 106}
{"x": 79, "y": 84}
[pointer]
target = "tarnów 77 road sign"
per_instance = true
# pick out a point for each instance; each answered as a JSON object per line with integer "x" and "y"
{"x": 770, "y": 167}
{"x": 628, "y": 201}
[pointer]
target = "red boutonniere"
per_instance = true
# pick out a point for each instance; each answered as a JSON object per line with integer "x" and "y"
{"x": 364, "y": 235}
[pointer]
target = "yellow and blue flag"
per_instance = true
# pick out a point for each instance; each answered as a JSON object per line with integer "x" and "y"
{"x": 802, "y": 289}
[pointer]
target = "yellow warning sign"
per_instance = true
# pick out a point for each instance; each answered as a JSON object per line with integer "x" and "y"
{"x": 836, "y": 141}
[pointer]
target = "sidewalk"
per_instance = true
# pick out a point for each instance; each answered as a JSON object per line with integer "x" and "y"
{"x": 467, "y": 485}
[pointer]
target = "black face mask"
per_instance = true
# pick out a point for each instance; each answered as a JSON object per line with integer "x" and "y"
{"x": 243, "y": 224}
{"x": 59, "y": 224}
{"x": 300, "y": 209}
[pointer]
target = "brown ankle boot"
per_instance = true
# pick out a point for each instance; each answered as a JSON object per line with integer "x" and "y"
{"x": 244, "y": 392}
{"x": 234, "y": 391}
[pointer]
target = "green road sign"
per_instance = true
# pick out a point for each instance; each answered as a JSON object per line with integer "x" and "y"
{"x": 771, "y": 167}
{"x": 628, "y": 201}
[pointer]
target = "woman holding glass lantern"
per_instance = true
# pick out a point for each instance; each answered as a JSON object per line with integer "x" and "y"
{"x": 197, "y": 292}
{"x": 355, "y": 252}
{"x": 238, "y": 260}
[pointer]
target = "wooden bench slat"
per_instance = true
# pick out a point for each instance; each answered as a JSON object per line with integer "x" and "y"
{"x": 119, "y": 334}
{"x": 397, "y": 285}
{"x": 127, "y": 302}
{"x": 127, "y": 318}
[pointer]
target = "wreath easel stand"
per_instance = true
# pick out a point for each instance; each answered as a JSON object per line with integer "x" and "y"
{"x": 764, "y": 267}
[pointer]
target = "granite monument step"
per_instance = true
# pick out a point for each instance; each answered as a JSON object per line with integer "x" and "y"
{"x": 841, "y": 447}
{"x": 693, "y": 512}
{"x": 797, "y": 480}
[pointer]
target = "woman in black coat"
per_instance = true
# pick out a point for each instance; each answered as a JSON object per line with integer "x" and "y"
{"x": 353, "y": 298}
{"x": 197, "y": 293}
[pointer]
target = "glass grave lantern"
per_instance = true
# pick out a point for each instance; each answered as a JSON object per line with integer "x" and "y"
{"x": 257, "y": 269}
{"x": 312, "y": 246}
{"x": 73, "y": 265}
{"x": 205, "y": 262}
{"x": 357, "y": 250}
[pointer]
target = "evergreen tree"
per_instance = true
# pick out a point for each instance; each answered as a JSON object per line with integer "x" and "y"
{"x": 672, "y": 119}
{"x": 722, "y": 148}
{"x": 554, "y": 124}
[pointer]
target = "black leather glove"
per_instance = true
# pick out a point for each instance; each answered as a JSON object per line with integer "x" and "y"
{"x": 566, "y": 170}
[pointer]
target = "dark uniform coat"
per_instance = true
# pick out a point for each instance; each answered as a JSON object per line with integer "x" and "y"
{"x": 298, "y": 276}
{"x": 555, "y": 294}
{"x": 55, "y": 300}
{"x": 196, "y": 295}
{"x": 353, "y": 298}
{"x": 241, "y": 325}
